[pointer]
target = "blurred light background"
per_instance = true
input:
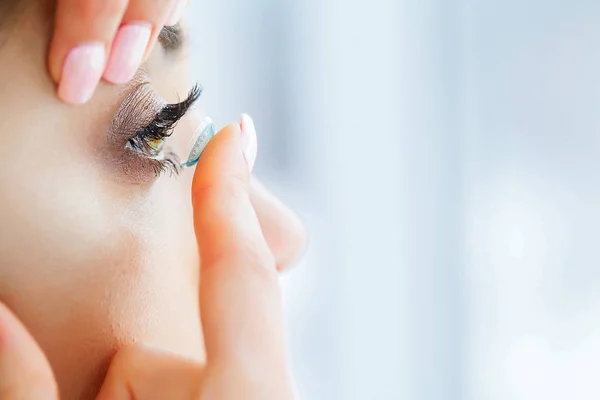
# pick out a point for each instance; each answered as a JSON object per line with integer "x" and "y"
{"x": 444, "y": 155}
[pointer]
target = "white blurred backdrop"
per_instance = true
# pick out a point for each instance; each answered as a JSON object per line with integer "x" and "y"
{"x": 444, "y": 155}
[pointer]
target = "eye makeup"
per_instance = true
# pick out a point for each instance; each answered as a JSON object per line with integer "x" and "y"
{"x": 150, "y": 141}
{"x": 139, "y": 132}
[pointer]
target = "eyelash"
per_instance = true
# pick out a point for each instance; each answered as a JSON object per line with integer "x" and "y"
{"x": 158, "y": 130}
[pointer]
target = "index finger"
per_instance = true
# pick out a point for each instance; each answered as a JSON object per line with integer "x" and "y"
{"x": 240, "y": 301}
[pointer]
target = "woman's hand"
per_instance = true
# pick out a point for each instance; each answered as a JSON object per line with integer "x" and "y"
{"x": 104, "y": 38}
{"x": 240, "y": 301}
{"x": 283, "y": 230}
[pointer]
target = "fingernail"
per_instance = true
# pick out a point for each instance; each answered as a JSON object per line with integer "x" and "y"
{"x": 127, "y": 52}
{"x": 249, "y": 141}
{"x": 176, "y": 12}
{"x": 81, "y": 72}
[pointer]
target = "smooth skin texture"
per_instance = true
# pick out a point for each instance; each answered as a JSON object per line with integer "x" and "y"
{"x": 89, "y": 262}
{"x": 240, "y": 306}
{"x": 126, "y": 29}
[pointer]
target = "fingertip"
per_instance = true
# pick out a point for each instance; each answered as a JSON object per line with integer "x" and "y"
{"x": 297, "y": 239}
{"x": 127, "y": 52}
{"x": 81, "y": 73}
{"x": 220, "y": 180}
{"x": 283, "y": 229}
{"x": 221, "y": 161}
{"x": 83, "y": 33}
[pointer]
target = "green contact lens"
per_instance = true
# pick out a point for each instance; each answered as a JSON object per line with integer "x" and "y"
{"x": 204, "y": 133}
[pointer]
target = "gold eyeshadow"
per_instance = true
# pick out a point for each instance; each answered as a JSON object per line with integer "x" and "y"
{"x": 136, "y": 111}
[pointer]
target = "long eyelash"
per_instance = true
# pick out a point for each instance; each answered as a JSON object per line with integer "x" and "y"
{"x": 161, "y": 127}
{"x": 164, "y": 122}
{"x": 170, "y": 163}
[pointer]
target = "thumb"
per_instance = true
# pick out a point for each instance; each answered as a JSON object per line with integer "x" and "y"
{"x": 25, "y": 373}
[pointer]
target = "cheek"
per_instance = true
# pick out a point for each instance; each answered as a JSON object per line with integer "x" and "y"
{"x": 89, "y": 265}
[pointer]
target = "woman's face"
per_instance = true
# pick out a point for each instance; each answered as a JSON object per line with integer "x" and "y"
{"x": 95, "y": 250}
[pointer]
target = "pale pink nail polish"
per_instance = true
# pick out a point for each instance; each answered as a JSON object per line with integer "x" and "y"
{"x": 176, "y": 12}
{"x": 127, "y": 52}
{"x": 81, "y": 72}
{"x": 249, "y": 140}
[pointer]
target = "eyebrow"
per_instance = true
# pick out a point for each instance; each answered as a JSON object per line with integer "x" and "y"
{"x": 171, "y": 37}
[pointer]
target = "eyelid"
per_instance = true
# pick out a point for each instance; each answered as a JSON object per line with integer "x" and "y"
{"x": 139, "y": 106}
{"x": 147, "y": 141}
{"x": 137, "y": 110}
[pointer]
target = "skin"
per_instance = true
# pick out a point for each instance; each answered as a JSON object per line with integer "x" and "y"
{"x": 78, "y": 22}
{"x": 245, "y": 350}
{"x": 91, "y": 263}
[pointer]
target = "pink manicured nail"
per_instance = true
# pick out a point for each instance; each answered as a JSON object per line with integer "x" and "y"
{"x": 249, "y": 141}
{"x": 127, "y": 52}
{"x": 176, "y": 12}
{"x": 81, "y": 72}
